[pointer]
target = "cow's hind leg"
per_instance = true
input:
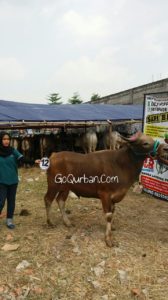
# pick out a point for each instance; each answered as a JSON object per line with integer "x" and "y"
{"x": 48, "y": 199}
{"x": 61, "y": 198}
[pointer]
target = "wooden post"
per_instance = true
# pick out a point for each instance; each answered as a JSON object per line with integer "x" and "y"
{"x": 110, "y": 131}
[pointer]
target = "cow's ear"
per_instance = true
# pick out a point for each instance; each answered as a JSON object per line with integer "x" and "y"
{"x": 133, "y": 138}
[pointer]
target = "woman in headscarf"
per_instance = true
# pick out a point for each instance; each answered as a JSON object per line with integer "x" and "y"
{"x": 9, "y": 160}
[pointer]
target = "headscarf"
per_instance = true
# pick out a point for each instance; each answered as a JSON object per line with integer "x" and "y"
{"x": 5, "y": 151}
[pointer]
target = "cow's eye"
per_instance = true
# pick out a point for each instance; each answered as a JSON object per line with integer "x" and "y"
{"x": 145, "y": 144}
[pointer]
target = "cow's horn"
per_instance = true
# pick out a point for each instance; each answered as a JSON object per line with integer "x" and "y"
{"x": 133, "y": 138}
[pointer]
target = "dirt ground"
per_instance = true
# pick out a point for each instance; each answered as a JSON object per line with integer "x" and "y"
{"x": 74, "y": 263}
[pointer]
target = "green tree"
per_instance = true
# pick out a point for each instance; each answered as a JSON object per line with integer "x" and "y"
{"x": 54, "y": 98}
{"x": 95, "y": 97}
{"x": 75, "y": 99}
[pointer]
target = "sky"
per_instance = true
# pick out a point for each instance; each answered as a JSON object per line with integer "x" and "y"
{"x": 80, "y": 46}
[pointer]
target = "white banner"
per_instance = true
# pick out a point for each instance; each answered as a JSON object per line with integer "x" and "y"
{"x": 154, "y": 175}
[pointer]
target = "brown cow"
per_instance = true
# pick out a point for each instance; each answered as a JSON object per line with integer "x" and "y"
{"x": 110, "y": 174}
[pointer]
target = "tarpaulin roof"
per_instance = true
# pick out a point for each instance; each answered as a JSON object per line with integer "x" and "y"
{"x": 16, "y": 111}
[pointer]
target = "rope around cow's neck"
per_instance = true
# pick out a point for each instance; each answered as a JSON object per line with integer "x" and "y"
{"x": 153, "y": 153}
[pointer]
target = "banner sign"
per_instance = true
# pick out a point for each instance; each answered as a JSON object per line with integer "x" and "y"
{"x": 154, "y": 175}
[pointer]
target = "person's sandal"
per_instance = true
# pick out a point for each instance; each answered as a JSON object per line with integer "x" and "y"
{"x": 10, "y": 226}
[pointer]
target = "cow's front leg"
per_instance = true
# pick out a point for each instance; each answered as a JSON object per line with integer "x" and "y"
{"x": 108, "y": 235}
{"x": 108, "y": 208}
{"x": 61, "y": 198}
{"x": 112, "y": 220}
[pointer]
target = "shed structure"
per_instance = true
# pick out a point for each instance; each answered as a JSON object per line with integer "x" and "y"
{"x": 24, "y": 115}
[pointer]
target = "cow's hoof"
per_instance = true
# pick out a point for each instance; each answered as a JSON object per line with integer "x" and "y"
{"x": 67, "y": 223}
{"x": 50, "y": 224}
{"x": 115, "y": 243}
{"x": 111, "y": 243}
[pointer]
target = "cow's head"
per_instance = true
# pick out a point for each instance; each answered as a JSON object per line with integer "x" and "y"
{"x": 141, "y": 144}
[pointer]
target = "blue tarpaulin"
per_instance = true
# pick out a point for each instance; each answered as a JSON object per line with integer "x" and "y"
{"x": 16, "y": 112}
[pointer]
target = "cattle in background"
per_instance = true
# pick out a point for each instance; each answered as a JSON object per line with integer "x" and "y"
{"x": 112, "y": 172}
{"x": 27, "y": 149}
{"x": 87, "y": 141}
{"x": 112, "y": 140}
{"x": 47, "y": 145}
{"x": 64, "y": 141}
{"x": 15, "y": 143}
{"x": 36, "y": 146}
